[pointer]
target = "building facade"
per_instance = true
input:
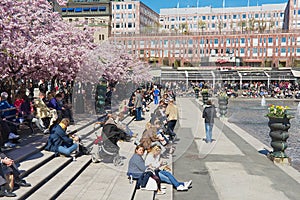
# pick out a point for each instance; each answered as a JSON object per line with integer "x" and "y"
{"x": 92, "y": 13}
{"x": 133, "y": 17}
{"x": 257, "y": 36}
{"x": 267, "y": 17}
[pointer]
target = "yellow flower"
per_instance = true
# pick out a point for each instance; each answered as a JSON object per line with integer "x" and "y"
{"x": 277, "y": 111}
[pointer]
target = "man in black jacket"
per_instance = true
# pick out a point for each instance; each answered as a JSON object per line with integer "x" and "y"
{"x": 209, "y": 113}
{"x": 9, "y": 175}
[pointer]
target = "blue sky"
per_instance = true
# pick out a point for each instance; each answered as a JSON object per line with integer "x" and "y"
{"x": 157, "y": 4}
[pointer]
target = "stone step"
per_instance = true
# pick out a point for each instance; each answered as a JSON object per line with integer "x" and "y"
{"x": 61, "y": 179}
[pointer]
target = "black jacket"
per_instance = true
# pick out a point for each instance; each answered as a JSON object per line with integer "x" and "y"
{"x": 209, "y": 113}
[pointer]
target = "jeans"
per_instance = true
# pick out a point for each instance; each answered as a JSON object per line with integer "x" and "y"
{"x": 67, "y": 150}
{"x": 208, "y": 130}
{"x": 167, "y": 177}
{"x": 156, "y": 100}
{"x": 138, "y": 113}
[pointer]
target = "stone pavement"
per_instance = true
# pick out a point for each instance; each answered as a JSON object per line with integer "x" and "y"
{"x": 231, "y": 168}
{"x": 234, "y": 167}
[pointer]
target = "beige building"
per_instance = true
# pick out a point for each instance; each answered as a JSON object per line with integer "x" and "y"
{"x": 92, "y": 13}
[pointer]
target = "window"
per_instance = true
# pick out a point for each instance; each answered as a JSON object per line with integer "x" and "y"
{"x": 216, "y": 41}
{"x": 283, "y": 39}
{"x": 242, "y": 50}
{"x": 203, "y": 17}
{"x": 283, "y": 50}
{"x": 118, "y": 7}
{"x": 244, "y": 16}
{"x": 234, "y": 16}
{"x": 129, "y": 6}
{"x": 129, "y": 15}
{"x": 129, "y": 25}
{"x": 242, "y": 40}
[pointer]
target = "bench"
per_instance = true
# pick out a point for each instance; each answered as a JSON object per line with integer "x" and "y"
{"x": 13, "y": 120}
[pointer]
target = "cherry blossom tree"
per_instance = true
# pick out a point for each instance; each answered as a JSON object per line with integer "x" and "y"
{"x": 120, "y": 66}
{"x": 36, "y": 43}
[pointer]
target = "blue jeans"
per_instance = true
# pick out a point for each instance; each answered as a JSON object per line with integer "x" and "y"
{"x": 67, "y": 150}
{"x": 167, "y": 177}
{"x": 138, "y": 113}
{"x": 208, "y": 130}
{"x": 155, "y": 100}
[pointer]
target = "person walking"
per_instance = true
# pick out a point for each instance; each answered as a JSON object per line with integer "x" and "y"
{"x": 156, "y": 94}
{"x": 138, "y": 104}
{"x": 172, "y": 114}
{"x": 209, "y": 113}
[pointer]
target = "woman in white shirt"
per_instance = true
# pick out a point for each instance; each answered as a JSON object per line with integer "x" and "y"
{"x": 153, "y": 161}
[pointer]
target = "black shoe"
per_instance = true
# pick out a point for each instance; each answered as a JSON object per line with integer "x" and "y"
{"x": 7, "y": 194}
{"x": 22, "y": 183}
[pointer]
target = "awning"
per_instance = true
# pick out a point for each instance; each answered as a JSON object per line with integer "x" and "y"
{"x": 86, "y": 9}
{"x": 296, "y": 73}
{"x": 78, "y": 9}
{"x": 102, "y": 8}
{"x": 63, "y": 9}
{"x": 252, "y": 60}
{"x": 70, "y": 9}
{"x": 222, "y": 61}
{"x": 94, "y": 8}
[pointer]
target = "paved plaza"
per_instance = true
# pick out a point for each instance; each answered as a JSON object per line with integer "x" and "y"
{"x": 230, "y": 168}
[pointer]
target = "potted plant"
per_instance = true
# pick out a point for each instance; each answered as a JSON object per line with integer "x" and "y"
{"x": 279, "y": 124}
{"x": 223, "y": 102}
{"x": 204, "y": 93}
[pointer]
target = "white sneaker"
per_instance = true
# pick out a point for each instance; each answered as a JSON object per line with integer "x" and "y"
{"x": 9, "y": 144}
{"x": 46, "y": 131}
{"x": 181, "y": 188}
{"x": 188, "y": 184}
{"x": 163, "y": 187}
{"x": 13, "y": 136}
{"x": 161, "y": 192}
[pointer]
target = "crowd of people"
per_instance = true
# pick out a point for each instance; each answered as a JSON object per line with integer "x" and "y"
{"x": 157, "y": 141}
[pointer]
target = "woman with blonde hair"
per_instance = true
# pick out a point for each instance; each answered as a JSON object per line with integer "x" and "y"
{"x": 149, "y": 136}
{"x": 59, "y": 141}
{"x": 153, "y": 161}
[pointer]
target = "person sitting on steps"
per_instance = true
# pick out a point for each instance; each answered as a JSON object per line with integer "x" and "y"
{"x": 9, "y": 177}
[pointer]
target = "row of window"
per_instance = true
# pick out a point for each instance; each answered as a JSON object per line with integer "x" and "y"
{"x": 247, "y": 51}
{"x": 88, "y": 20}
{"x": 84, "y": 9}
{"x": 217, "y": 17}
{"x": 220, "y": 25}
{"x": 123, "y": 16}
{"x": 123, "y": 6}
{"x": 123, "y": 25}
{"x": 216, "y": 41}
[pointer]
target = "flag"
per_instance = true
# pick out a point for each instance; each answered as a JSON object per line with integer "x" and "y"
{"x": 223, "y": 3}
{"x": 178, "y": 4}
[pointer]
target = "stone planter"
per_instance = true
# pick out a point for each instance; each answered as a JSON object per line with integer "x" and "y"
{"x": 204, "y": 97}
{"x": 223, "y": 102}
{"x": 279, "y": 134}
